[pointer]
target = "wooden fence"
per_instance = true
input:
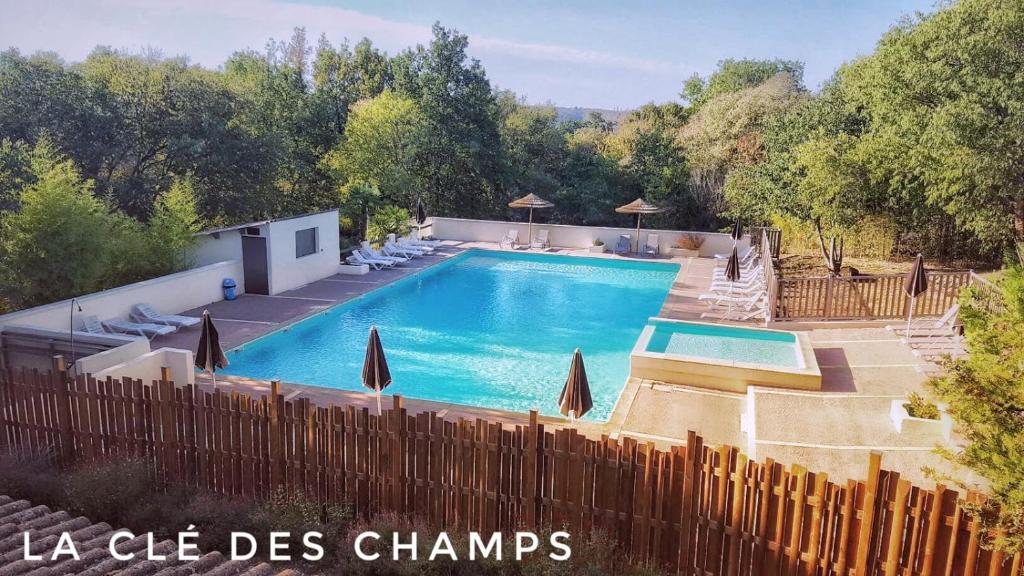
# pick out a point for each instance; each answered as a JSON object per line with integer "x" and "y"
{"x": 863, "y": 297}
{"x": 691, "y": 509}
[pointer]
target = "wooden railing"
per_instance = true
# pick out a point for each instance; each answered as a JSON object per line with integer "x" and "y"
{"x": 768, "y": 239}
{"x": 691, "y": 509}
{"x": 864, "y": 297}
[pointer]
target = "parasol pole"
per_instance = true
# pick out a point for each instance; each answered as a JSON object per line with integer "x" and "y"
{"x": 529, "y": 237}
{"x": 638, "y": 215}
{"x": 379, "y": 411}
{"x": 910, "y": 313}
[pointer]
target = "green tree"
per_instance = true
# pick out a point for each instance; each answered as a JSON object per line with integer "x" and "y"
{"x": 388, "y": 219}
{"x": 54, "y": 247}
{"x": 460, "y": 166}
{"x": 985, "y": 394}
{"x": 942, "y": 93}
{"x": 735, "y": 75}
{"x": 383, "y": 139}
{"x": 358, "y": 200}
{"x": 15, "y": 172}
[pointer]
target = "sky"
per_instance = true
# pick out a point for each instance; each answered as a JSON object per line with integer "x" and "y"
{"x": 590, "y": 53}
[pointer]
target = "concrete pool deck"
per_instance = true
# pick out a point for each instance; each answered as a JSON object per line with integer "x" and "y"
{"x": 863, "y": 370}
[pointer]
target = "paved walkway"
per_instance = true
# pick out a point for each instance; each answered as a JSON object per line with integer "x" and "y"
{"x": 863, "y": 370}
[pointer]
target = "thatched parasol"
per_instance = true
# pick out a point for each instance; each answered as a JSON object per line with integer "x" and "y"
{"x": 530, "y": 201}
{"x": 639, "y": 207}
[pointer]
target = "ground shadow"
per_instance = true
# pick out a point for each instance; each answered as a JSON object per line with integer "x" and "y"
{"x": 836, "y": 374}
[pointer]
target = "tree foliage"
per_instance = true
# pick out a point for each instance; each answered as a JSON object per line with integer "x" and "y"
{"x": 985, "y": 394}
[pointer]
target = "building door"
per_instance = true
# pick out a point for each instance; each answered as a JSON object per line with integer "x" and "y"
{"x": 254, "y": 265}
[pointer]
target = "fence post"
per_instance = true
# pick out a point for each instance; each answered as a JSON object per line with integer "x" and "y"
{"x": 397, "y": 454}
{"x": 530, "y": 453}
{"x": 60, "y": 383}
{"x": 274, "y": 405}
{"x": 867, "y": 521}
{"x": 168, "y": 429}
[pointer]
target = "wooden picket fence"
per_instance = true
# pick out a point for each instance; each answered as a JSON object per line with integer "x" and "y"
{"x": 878, "y": 297}
{"x": 692, "y": 509}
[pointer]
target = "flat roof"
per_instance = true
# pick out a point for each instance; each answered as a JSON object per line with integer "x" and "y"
{"x": 260, "y": 222}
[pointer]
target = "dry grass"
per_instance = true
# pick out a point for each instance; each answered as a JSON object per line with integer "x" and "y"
{"x": 808, "y": 265}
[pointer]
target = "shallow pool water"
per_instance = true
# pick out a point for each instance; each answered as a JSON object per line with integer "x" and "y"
{"x": 493, "y": 329}
{"x": 727, "y": 343}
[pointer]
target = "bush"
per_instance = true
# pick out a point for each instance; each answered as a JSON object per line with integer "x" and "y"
{"x": 874, "y": 238}
{"x": 919, "y": 407}
{"x": 31, "y": 477}
{"x": 690, "y": 241}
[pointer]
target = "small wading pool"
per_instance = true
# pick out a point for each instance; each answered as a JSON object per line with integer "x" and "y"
{"x": 726, "y": 358}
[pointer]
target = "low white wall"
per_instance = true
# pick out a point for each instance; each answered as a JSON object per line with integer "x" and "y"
{"x": 147, "y": 367}
{"x": 565, "y": 236}
{"x": 211, "y": 249}
{"x": 100, "y": 361}
{"x": 288, "y": 272}
{"x": 169, "y": 294}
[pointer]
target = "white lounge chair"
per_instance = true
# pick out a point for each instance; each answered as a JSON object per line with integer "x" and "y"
{"x": 402, "y": 246}
{"x": 759, "y": 309}
{"x": 510, "y": 240}
{"x": 754, "y": 283}
{"x": 744, "y": 255}
{"x": 414, "y": 238}
{"x": 145, "y": 329}
{"x": 358, "y": 258}
{"x": 144, "y": 313}
{"x": 930, "y": 328}
{"x": 746, "y": 301}
{"x": 409, "y": 244}
{"x": 651, "y": 247}
{"x": 540, "y": 240}
{"x": 623, "y": 245}
{"x": 394, "y": 250}
{"x": 368, "y": 251}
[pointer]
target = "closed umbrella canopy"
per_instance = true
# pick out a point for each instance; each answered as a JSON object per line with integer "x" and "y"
{"x": 639, "y": 207}
{"x": 376, "y": 375}
{"x": 916, "y": 281}
{"x": 737, "y": 231}
{"x": 421, "y": 213}
{"x": 914, "y": 285}
{"x": 210, "y": 356}
{"x": 575, "y": 400}
{"x": 732, "y": 267}
{"x": 530, "y": 201}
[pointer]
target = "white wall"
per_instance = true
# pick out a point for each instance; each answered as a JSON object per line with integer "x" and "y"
{"x": 565, "y": 236}
{"x": 169, "y": 294}
{"x": 147, "y": 367}
{"x": 98, "y": 362}
{"x": 210, "y": 250}
{"x": 288, "y": 272}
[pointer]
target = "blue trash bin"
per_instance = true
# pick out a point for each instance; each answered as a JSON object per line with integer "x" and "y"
{"x": 229, "y": 286}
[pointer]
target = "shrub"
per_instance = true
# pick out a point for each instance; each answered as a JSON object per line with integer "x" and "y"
{"x": 690, "y": 241}
{"x": 919, "y": 407}
{"x": 31, "y": 477}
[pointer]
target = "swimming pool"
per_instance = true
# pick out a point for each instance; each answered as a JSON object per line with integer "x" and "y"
{"x": 729, "y": 358}
{"x": 485, "y": 328}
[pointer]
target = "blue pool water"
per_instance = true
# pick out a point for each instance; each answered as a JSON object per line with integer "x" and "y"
{"x": 493, "y": 329}
{"x": 727, "y": 343}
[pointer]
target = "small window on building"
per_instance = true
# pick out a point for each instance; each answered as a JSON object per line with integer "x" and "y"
{"x": 305, "y": 242}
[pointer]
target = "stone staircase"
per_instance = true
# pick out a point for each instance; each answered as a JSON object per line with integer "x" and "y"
{"x": 91, "y": 540}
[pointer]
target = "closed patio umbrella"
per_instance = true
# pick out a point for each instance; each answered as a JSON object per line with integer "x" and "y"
{"x": 737, "y": 231}
{"x": 575, "y": 400}
{"x": 914, "y": 285}
{"x": 421, "y": 213}
{"x": 530, "y": 201}
{"x": 376, "y": 375}
{"x": 732, "y": 267}
{"x": 209, "y": 355}
{"x": 639, "y": 207}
